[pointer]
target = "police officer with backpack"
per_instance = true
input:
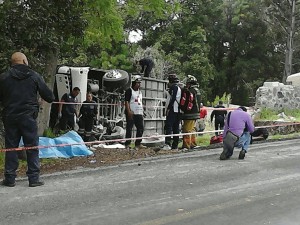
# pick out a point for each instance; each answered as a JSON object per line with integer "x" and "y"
{"x": 190, "y": 106}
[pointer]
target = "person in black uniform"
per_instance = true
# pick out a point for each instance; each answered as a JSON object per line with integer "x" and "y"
{"x": 88, "y": 112}
{"x": 219, "y": 117}
{"x": 147, "y": 66}
{"x": 19, "y": 87}
{"x": 172, "y": 122}
{"x": 66, "y": 112}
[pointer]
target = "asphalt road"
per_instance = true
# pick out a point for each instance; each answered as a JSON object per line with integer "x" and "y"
{"x": 189, "y": 188}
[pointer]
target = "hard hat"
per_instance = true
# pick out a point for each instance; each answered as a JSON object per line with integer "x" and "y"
{"x": 136, "y": 78}
{"x": 173, "y": 78}
{"x": 191, "y": 79}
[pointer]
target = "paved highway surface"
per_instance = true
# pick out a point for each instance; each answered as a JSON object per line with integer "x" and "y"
{"x": 189, "y": 188}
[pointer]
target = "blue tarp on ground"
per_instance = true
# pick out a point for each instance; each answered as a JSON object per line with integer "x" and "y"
{"x": 66, "y": 151}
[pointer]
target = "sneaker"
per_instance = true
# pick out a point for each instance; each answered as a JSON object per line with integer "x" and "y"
{"x": 8, "y": 184}
{"x": 166, "y": 147}
{"x": 242, "y": 154}
{"x": 36, "y": 183}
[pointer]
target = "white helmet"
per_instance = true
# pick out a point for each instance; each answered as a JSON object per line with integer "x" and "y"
{"x": 136, "y": 78}
{"x": 191, "y": 79}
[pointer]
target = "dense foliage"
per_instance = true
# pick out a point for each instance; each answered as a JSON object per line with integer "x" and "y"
{"x": 231, "y": 46}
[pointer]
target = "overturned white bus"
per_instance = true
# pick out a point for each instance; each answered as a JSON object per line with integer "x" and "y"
{"x": 108, "y": 88}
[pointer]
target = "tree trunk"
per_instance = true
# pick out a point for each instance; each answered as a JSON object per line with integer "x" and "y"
{"x": 289, "y": 51}
{"x": 44, "y": 113}
{"x": 2, "y": 142}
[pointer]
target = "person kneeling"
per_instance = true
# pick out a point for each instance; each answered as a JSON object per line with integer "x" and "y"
{"x": 237, "y": 129}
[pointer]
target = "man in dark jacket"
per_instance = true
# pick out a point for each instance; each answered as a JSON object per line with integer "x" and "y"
{"x": 88, "y": 113}
{"x": 219, "y": 117}
{"x": 19, "y": 87}
{"x": 189, "y": 117}
{"x": 67, "y": 112}
{"x": 172, "y": 113}
{"x": 147, "y": 66}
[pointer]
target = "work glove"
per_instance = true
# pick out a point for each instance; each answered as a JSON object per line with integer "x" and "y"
{"x": 59, "y": 115}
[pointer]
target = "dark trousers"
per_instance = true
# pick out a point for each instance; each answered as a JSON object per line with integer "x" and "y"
{"x": 15, "y": 128}
{"x": 138, "y": 121}
{"x": 148, "y": 70}
{"x": 67, "y": 122}
{"x": 219, "y": 125}
{"x": 86, "y": 124}
{"x": 172, "y": 127}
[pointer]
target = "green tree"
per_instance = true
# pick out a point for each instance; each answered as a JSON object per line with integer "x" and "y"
{"x": 184, "y": 40}
{"x": 39, "y": 28}
{"x": 283, "y": 18}
{"x": 106, "y": 40}
{"x": 245, "y": 53}
{"x": 78, "y": 32}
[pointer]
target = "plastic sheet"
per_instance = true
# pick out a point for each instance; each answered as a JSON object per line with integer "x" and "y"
{"x": 67, "y": 151}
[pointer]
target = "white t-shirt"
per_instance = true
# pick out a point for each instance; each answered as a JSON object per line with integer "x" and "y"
{"x": 175, "y": 105}
{"x": 135, "y": 103}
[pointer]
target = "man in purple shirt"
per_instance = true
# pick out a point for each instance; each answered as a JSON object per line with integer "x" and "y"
{"x": 237, "y": 129}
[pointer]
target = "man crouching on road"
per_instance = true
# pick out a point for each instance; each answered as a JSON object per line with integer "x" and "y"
{"x": 237, "y": 129}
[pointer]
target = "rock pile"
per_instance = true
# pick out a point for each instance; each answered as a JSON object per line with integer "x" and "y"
{"x": 275, "y": 95}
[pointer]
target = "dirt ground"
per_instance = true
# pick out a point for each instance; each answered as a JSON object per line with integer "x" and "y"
{"x": 101, "y": 157}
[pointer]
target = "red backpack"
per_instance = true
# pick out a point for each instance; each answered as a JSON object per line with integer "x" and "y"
{"x": 186, "y": 100}
{"x": 216, "y": 139}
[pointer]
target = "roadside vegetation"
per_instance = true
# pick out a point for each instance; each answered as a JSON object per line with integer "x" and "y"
{"x": 286, "y": 114}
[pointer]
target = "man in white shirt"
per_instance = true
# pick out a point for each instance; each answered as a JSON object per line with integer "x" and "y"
{"x": 134, "y": 111}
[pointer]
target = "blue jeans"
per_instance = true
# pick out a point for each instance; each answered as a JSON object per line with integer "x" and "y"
{"x": 244, "y": 141}
{"x": 230, "y": 141}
